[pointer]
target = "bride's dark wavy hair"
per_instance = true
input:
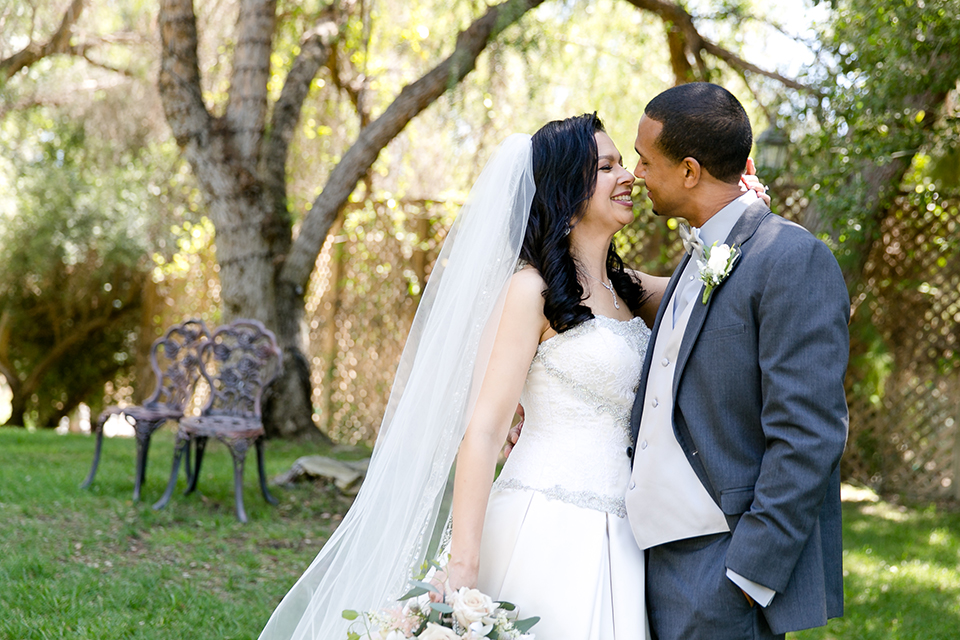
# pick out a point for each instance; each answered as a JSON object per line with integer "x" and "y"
{"x": 565, "y": 173}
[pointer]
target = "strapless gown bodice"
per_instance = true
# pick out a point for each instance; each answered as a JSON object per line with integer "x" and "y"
{"x": 555, "y": 530}
{"x": 577, "y": 400}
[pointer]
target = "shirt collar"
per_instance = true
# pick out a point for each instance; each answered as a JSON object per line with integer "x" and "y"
{"x": 719, "y": 226}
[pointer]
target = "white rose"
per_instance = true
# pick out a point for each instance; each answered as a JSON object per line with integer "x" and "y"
{"x": 471, "y": 605}
{"x": 395, "y": 635}
{"x": 718, "y": 258}
{"x": 436, "y": 632}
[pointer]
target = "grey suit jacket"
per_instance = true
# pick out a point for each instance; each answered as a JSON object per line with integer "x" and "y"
{"x": 761, "y": 414}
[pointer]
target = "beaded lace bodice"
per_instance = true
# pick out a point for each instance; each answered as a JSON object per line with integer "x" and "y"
{"x": 577, "y": 401}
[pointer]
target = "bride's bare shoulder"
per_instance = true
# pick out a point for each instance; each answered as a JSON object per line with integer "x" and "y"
{"x": 528, "y": 280}
{"x": 525, "y": 296}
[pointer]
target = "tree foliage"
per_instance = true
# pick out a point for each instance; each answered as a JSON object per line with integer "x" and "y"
{"x": 76, "y": 251}
{"x": 887, "y": 102}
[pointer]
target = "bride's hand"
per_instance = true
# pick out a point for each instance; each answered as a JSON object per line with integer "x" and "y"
{"x": 450, "y": 580}
{"x": 514, "y": 435}
{"x": 441, "y": 582}
{"x": 459, "y": 575}
{"x": 749, "y": 180}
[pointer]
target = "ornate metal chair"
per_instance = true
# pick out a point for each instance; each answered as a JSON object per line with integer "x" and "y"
{"x": 175, "y": 359}
{"x": 239, "y": 361}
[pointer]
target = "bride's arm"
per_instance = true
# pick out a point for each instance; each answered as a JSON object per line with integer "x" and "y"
{"x": 516, "y": 343}
{"x": 653, "y": 287}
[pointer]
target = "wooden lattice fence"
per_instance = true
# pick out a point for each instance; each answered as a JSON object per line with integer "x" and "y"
{"x": 903, "y": 383}
{"x": 904, "y": 380}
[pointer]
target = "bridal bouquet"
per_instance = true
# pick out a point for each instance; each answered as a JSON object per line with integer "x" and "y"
{"x": 466, "y": 614}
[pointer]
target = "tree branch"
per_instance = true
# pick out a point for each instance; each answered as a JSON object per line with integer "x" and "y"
{"x": 353, "y": 92}
{"x": 107, "y": 67}
{"x": 680, "y": 19}
{"x": 59, "y": 43}
{"x": 247, "y": 105}
{"x": 179, "y": 81}
{"x": 737, "y": 62}
{"x": 314, "y": 52}
{"x": 191, "y": 123}
{"x": 677, "y": 44}
{"x": 413, "y": 99}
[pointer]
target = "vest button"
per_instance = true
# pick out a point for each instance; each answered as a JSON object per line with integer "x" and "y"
{"x": 655, "y": 403}
{"x": 633, "y": 485}
{"x": 643, "y": 445}
{"x": 665, "y": 362}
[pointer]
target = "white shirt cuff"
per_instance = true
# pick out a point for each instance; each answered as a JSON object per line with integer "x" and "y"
{"x": 760, "y": 594}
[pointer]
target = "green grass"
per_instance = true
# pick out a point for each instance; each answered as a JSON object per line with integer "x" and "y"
{"x": 83, "y": 564}
{"x": 92, "y": 564}
{"x": 902, "y": 575}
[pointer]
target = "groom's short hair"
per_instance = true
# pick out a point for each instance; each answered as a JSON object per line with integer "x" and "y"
{"x": 706, "y": 122}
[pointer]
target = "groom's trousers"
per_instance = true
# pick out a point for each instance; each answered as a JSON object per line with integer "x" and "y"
{"x": 689, "y": 596}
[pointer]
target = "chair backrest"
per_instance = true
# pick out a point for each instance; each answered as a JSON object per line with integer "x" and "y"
{"x": 175, "y": 360}
{"x": 239, "y": 360}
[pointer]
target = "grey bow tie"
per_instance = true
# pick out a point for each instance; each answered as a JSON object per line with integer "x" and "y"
{"x": 692, "y": 243}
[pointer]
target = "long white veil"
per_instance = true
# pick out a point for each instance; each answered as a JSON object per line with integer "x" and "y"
{"x": 369, "y": 559}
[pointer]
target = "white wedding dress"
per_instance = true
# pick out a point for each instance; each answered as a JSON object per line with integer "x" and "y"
{"x": 556, "y": 541}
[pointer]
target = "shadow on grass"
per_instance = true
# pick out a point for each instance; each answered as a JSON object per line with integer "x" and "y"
{"x": 902, "y": 575}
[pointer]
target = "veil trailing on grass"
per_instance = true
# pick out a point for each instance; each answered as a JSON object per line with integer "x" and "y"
{"x": 369, "y": 559}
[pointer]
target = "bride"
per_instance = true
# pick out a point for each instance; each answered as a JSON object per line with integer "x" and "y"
{"x": 530, "y": 303}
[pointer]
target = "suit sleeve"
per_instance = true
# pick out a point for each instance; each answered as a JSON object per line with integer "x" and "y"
{"x": 803, "y": 344}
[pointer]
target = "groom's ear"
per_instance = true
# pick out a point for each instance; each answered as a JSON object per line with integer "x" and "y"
{"x": 691, "y": 172}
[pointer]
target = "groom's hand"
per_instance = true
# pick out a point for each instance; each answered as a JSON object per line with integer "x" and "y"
{"x": 514, "y": 434}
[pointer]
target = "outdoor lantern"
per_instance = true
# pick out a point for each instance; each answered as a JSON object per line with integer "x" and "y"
{"x": 772, "y": 149}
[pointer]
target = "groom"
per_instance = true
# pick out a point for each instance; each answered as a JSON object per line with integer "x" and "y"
{"x": 740, "y": 418}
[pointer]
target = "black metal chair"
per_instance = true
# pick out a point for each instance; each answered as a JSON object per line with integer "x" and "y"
{"x": 239, "y": 361}
{"x": 177, "y": 370}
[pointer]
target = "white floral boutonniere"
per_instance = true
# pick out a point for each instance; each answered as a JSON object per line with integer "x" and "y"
{"x": 716, "y": 265}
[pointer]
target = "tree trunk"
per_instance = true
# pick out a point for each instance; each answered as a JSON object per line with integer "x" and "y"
{"x": 18, "y": 408}
{"x": 241, "y": 166}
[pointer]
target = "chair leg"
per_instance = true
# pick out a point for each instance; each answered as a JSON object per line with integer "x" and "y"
{"x": 200, "y": 443}
{"x": 171, "y": 485}
{"x": 188, "y": 467}
{"x": 96, "y": 455}
{"x": 263, "y": 476}
{"x": 239, "y": 451}
{"x": 143, "y": 445}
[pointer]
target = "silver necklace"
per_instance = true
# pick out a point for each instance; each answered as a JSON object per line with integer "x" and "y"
{"x": 608, "y": 287}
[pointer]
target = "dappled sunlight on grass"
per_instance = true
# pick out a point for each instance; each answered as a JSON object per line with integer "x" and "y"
{"x": 902, "y": 574}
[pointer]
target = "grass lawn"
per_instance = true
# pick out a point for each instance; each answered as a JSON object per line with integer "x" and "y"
{"x": 91, "y": 564}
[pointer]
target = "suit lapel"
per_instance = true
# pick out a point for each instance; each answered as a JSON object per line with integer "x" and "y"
{"x": 742, "y": 231}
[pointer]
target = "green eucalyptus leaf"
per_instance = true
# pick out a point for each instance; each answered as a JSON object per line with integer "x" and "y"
{"x": 426, "y": 585}
{"x": 524, "y": 625}
{"x": 441, "y": 607}
{"x": 413, "y": 593}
